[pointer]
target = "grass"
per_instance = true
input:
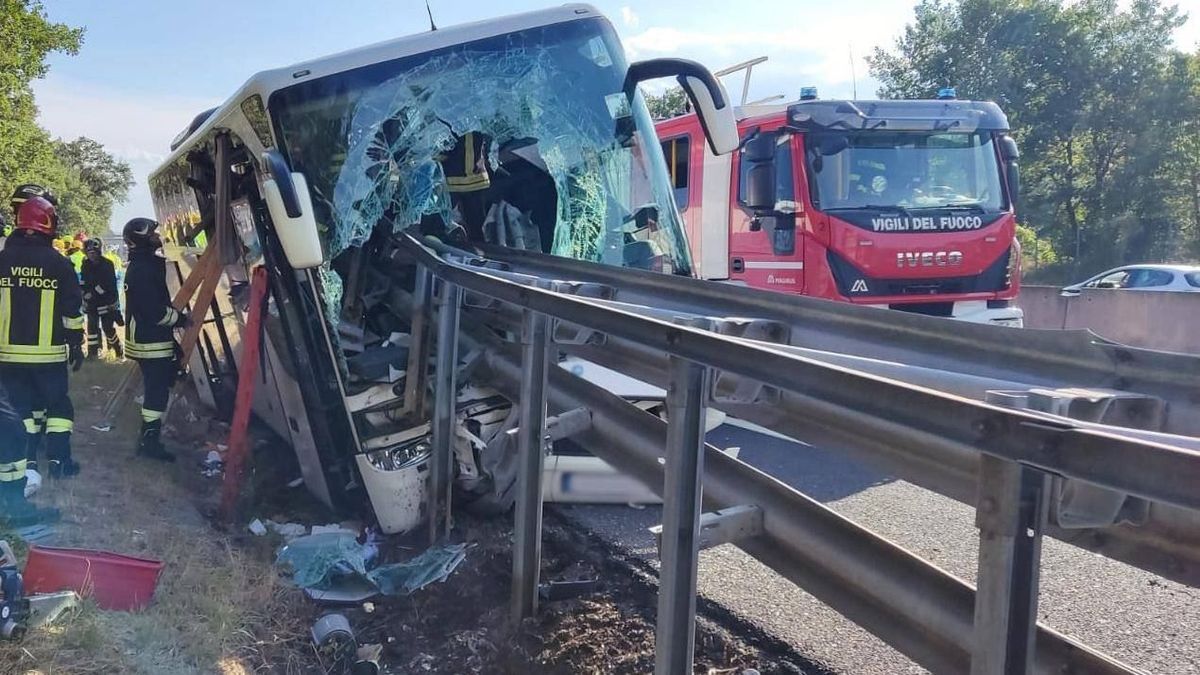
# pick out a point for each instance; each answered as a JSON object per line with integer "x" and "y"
{"x": 220, "y": 606}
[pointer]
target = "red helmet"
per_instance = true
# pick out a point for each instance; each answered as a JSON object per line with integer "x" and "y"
{"x": 37, "y": 215}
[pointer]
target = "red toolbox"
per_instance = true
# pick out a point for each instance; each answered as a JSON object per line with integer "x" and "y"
{"x": 116, "y": 581}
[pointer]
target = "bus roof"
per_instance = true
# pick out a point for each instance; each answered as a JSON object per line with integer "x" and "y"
{"x": 266, "y": 82}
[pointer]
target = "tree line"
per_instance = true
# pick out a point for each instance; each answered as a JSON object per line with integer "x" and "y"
{"x": 87, "y": 180}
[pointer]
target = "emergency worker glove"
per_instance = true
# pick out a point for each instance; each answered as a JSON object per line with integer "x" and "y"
{"x": 76, "y": 357}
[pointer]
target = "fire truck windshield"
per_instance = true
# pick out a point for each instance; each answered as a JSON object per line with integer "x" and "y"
{"x": 873, "y": 170}
{"x": 525, "y": 139}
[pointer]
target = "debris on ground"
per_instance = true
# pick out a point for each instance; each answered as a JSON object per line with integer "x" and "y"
{"x": 333, "y": 560}
{"x": 335, "y": 644}
{"x": 213, "y": 465}
{"x": 46, "y": 608}
{"x": 316, "y": 560}
{"x": 288, "y": 531}
{"x": 433, "y": 566}
{"x": 115, "y": 581}
{"x": 36, "y": 534}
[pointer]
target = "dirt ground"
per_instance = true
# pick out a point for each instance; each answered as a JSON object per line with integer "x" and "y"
{"x": 223, "y": 607}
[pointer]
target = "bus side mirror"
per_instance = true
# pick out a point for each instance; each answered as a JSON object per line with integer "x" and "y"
{"x": 709, "y": 99}
{"x": 290, "y": 205}
{"x": 1012, "y": 170}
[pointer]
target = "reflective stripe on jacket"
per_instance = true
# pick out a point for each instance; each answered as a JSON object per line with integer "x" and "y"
{"x": 40, "y": 302}
{"x": 149, "y": 316}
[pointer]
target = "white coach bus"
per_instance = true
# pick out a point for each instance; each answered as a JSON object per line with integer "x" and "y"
{"x": 314, "y": 167}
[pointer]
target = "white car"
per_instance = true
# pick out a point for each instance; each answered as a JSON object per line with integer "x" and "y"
{"x": 1143, "y": 278}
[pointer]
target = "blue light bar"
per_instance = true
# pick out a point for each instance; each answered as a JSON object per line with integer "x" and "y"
{"x": 947, "y": 93}
{"x": 808, "y": 93}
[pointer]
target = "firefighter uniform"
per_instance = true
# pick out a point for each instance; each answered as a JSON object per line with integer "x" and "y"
{"x": 41, "y": 329}
{"x": 15, "y": 510}
{"x": 467, "y": 180}
{"x": 100, "y": 303}
{"x": 150, "y": 320}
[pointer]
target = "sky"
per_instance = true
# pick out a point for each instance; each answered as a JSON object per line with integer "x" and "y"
{"x": 147, "y": 67}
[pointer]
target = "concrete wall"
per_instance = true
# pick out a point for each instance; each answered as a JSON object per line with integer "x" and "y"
{"x": 1154, "y": 320}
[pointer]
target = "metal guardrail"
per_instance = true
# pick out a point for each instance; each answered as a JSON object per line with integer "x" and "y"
{"x": 1011, "y": 457}
{"x": 953, "y": 357}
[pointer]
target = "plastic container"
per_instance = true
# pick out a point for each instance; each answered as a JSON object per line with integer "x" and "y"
{"x": 116, "y": 581}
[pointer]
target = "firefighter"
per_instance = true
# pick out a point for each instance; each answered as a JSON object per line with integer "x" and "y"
{"x": 36, "y": 420}
{"x": 150, "y": 321}
{"x": 15, "y": 510}
{"x": 467, "y": 180}
{"x": 41, "y": 330}
{"x": 100, "y": 300}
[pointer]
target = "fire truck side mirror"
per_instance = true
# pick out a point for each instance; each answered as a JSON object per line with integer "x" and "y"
{"x": 712, "y": 104}
{"x": 290, "y": 204}
{"x": 1012, "y": 170}
{"x": 758, "y": 191}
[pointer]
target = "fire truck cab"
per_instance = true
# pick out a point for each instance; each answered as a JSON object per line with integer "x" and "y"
{"x": 901, "y": 204}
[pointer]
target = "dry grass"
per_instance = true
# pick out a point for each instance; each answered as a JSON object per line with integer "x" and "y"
{"x": 220, "y": 606}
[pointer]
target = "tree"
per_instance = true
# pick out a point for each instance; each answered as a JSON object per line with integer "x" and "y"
{"x": 96, "y": 181}
{"x": 1104, "y": 109}
{"x": 27, "y": 36}
{"x": 87, "y": 180}
{"x": 671, "y": 103}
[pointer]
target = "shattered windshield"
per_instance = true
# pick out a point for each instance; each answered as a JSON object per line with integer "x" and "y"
{"x": 524, "y": 139}
{"x": 875, "y": 169}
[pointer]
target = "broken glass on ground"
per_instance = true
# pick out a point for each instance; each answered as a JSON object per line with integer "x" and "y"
{"x": 336, "y": 563}
{"x": 317, "y": 560}
{"x": 432, "y": 566}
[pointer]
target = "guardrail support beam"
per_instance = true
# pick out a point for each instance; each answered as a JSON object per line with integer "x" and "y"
{"x": 531, "y": 443}
{"x": 418, "y": 347}
{"x": 1011, "y": 516}
{"x": 445, "y": 395}
{"x": 675, "y": 635}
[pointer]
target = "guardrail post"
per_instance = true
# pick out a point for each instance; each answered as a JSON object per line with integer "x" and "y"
{"x": 531, "y": 440}
{"x": 1011, "y": 515}
{"x": 418, "y": 346}
{"x": 445, "y": 395}
{"x": 687, "y": 399}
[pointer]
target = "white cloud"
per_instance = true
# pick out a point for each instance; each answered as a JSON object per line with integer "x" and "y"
{"x": 135, "y": 128}
{"x": 630, "y": 17}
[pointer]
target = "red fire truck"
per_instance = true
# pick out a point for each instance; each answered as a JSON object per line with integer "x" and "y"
{"x": 902, "y": 204}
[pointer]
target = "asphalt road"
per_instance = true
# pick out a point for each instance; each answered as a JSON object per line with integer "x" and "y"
{"x": 1140, "y": 618}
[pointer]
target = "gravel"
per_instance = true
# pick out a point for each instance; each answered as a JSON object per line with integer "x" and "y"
{"x": 1142, "y": 619}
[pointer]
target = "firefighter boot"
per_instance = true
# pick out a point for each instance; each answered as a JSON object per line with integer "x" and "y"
{"x": 115, "y": 345}
{"x": 16, "y": 511}
{"x": 58, "y": 449}
{"x": 150, "y": 444}
{"x": 64, "y": 468}
{"x": 33, "y": 443}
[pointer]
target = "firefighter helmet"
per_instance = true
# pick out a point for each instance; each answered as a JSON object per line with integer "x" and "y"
{"x": 37, "y": 215}
{"x": 90, "y": 245}
{"x": 141, "y": 233}
{"x": 24, "y": 192}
